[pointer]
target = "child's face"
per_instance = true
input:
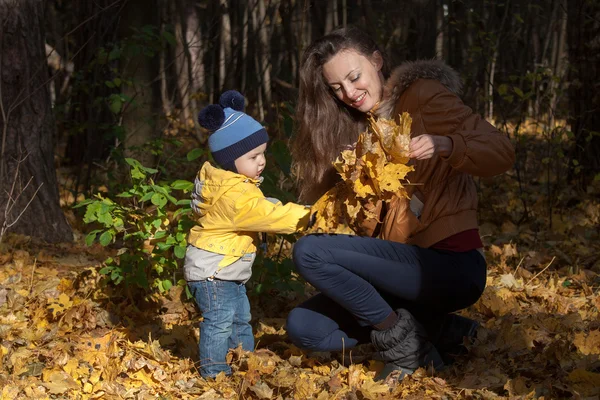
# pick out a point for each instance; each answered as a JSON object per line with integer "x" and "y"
{"x": 252, "y": 163}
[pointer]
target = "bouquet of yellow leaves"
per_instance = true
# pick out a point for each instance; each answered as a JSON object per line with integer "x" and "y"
{"x": 374, "y": 170}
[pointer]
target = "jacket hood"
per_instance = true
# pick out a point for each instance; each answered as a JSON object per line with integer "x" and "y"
{"x": 212, "y": 183}
{"x": 407, "y": 73}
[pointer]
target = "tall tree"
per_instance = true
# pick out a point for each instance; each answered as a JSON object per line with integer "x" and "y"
{"x": 28, "y": 185}
{"x": 141, "y": 63}
{"x": 584, "y": 59}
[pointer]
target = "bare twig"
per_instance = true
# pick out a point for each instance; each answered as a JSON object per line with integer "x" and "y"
{"x": 26, "y": 206}
{"x": 517, "y": 269}
{"x": 12, "y": 200}
{"x": 538, "y": 274}
{"x": 32, "y": 271}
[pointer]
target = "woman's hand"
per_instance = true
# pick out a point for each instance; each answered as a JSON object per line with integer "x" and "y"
{"x": 426, "y": 146}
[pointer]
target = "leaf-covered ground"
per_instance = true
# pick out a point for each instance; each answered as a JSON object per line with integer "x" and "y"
{"x": 65, "y": 334}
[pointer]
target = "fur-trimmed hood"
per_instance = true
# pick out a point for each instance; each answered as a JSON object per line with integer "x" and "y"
{"x": 405, "y": 74}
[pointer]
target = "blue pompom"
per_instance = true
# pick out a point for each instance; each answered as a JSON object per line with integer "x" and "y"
{"x": 232, "y": 99}
{"x": 211, "y": 117}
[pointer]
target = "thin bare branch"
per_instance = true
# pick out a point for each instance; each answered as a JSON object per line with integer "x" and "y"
{"x": 26, "y": 206}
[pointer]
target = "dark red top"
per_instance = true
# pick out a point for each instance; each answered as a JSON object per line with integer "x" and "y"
{"x": 460, "y": 242}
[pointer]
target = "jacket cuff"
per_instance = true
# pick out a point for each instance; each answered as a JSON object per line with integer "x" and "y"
{"x": 459, "y": 151}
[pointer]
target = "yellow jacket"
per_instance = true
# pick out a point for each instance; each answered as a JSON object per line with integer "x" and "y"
{"x": 231, "y": 210}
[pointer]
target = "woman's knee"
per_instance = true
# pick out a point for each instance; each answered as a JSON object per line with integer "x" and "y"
{"x": 305, "y": 252}
{"x": 300, "y": 330}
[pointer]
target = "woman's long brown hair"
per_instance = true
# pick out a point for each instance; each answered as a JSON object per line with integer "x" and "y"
{"x": 325, "y": 124}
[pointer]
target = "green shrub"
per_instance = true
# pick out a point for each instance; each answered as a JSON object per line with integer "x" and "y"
{"x": 149, "y": 226}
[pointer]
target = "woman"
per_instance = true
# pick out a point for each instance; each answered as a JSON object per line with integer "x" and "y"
{"x": 397, "y": 293}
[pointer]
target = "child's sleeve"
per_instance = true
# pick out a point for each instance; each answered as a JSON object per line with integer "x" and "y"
{"x": 256, "y": 213}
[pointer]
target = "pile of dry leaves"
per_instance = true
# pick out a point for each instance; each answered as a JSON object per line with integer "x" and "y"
{"x": 66, "y": 334}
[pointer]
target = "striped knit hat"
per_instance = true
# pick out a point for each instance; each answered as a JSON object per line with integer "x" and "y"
{"x": 233, "y": 132}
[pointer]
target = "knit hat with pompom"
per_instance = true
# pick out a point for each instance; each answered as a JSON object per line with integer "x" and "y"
{"x": 233, "y": 133}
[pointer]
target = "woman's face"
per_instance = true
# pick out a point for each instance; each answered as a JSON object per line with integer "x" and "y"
{"x": 355, "y": 79}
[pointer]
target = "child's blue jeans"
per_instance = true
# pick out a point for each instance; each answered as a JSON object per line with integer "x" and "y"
{"x": 226, "y": 324}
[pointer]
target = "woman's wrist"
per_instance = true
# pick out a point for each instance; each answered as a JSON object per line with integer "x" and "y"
{"x": 444, "y": 145}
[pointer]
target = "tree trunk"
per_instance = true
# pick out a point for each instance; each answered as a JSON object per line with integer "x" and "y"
{"x": 90, "y": 125}
{"x": 439, "y": 39}
{"x": 490, "y": 87}
{"x": 182, "y": 60}
{"x": 559, "y": 62}
{"x": 583, "y": 29}
{"x": 264, "y": 49}
{"x": 27, "y": 127}
{"x": 225, "y": 48}
{"x": 140, "y": 118}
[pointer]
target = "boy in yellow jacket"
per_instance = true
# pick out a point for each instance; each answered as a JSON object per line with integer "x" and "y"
{"x": 231, "y": 210}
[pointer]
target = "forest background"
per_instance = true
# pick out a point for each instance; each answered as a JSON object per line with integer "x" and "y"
{"x": 98, "y": 102}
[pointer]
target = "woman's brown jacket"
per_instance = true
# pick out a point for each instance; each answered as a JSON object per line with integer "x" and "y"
{"x": 429, "y": 92}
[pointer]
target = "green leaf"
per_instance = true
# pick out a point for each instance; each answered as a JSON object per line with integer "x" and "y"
{"x": 125, "y": 194}
{"x": 147, "y": 197}
{"x": 169, "y": 37}
{"x": 114, "y": 54}
{"x": 502, "y": 89}
{"x": 180, "y": 211}
{"x": 158, "y": 200}
{"x": 160, "y": 189}
{"x": 105, "y": 219}
{"x": 184, "y": 202}
{"x": 519, "y": 18}
{"x": 133, "y": 162}
{"x": 519, "y": 92}
{"x": 115, "y": 275}
{"x": 106, "y": 238}
{"x": 182, "y": 185}
{"x": 105, "y": 270}
{"x": 83, "y": 203}
{"x": 162, "y": 246}
{"x": 160, "y": 234}
{"x": 117, "y": 82}
{"x": 118, "y": 223}
{"x": 195, "y": 153}
{"x": 179, "y": 251}
{"x": 109, "y": 84}
{"x": 167, "y": 284}
{"x": 90, "y": 213}
{"x": 149, "y": 170}
{"x": 89, "y": 239}
{"x": 258, "y": 288}
{"x": 115, "y": 103}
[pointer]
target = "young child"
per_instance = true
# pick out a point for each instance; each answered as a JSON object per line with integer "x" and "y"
{"x": 230, "y": 210}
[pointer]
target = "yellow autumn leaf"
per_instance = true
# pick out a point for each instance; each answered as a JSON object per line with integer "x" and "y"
{"x": 59, "y": 305}
{"x": 143, "y": 377}
{"x": 375, "y": 170}
{"x": 394, "y": 137}
{"x": 373, "y": 390}
{"x": 58, "y": 382}
{"x": 71, "y": 368}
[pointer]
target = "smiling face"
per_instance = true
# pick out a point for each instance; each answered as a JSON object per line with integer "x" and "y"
{"x": 252, "y": 163}
{"x": 355, "y": 79}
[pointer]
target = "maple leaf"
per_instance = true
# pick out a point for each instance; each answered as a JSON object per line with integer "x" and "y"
{"x": 374, "y": 170}
{"x": 394, "y": 137}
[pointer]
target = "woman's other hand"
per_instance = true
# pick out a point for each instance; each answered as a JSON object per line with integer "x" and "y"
{"x": 426, "y": 146}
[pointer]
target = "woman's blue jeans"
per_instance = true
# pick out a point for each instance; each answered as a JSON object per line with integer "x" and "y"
{"x": 362, "y": 280}
{"x": 226, "y": 323}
